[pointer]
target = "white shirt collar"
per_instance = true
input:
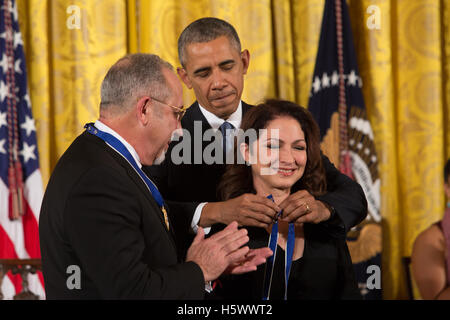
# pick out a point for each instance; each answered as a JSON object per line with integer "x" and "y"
{"x": 103, "y": 127}
{"x": 215, "y": 122}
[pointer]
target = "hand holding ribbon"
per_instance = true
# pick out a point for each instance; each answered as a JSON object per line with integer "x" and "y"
{"x": 301, "y": 207}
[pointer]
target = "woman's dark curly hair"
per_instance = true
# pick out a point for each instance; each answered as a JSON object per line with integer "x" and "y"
{"x": 238, "y": 179}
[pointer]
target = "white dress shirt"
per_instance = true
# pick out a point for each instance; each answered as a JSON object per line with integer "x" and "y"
{"x": 215, "y": 122}
{"x": 103, "y": 127}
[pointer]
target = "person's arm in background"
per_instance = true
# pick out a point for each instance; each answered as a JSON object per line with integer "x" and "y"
{"x": 247, "y": 210}
{"x": 428, "y": 265}
{"x": 346, "y": 197}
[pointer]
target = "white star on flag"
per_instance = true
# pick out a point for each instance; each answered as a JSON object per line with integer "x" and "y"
{"x": 26, "y": 97}
{"x": 3, "y": 91}
{"x": 334, "y": 78}
{"x": 13, "y": 10}
{"x": 352, "y": 78}
{"x": 28, "y": 152}
{"x": 316, "y": 84}
{"x": 17, "y": 66}
{"x": 4, "y": 63}
{"x": 17, "y": 39}
{"x": 28, "y": 125}
{"x": 2, "y": 146}
{"x": 3, "y": 121}
{"x": 325, "y": 81}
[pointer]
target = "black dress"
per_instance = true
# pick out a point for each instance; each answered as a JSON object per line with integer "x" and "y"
{"x": 324, "y": 271}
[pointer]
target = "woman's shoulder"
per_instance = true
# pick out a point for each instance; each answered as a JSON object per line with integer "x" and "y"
{"x": 433, "y": 235}
{"x": 429, "y": 243}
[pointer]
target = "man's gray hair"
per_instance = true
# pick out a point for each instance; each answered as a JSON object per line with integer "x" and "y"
{"x": 131, "y": 77}
{"x": 205, "y": 30}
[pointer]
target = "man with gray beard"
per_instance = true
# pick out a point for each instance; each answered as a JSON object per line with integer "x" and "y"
{"x": 104, "y": 227}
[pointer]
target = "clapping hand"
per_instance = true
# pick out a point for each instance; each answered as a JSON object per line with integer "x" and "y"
{"x": 252, "y": 259}
{"x": 225, "y": 250}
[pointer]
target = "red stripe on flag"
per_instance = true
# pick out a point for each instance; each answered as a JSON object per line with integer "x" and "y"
{"x": 31, "y": 233}
{"x": 7, "y": 251}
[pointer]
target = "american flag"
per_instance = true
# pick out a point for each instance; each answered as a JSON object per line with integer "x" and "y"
{"x": 336, "y": 102}
{"x": 21, "y": 187}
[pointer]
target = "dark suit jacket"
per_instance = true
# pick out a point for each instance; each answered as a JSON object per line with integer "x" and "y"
{"x": 97, "y": 214}
{"x": 186, "y": 185}
{"x": 324, "y": 272}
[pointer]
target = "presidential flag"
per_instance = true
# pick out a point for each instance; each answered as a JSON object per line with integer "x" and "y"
{"x": 337, "y": 103}
{"x": 21, "y": 187}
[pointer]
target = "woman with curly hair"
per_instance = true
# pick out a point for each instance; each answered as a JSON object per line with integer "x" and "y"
{"x": 281, "y": 149}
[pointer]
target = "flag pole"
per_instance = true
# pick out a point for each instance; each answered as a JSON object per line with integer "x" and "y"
{"x": 345, "y": 165}
{"x": 15, "y": 169}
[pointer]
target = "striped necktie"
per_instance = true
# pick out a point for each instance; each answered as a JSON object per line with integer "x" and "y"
{"x": 227, "y": 138}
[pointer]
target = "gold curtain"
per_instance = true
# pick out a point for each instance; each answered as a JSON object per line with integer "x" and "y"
{"x": 69, "y": 46}
{"x": 405, "y": 66}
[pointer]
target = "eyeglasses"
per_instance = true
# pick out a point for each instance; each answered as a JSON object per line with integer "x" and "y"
{"x": 180, "y": 111}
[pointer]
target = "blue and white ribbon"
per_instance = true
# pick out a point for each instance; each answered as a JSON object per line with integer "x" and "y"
{"x": 273, "y": 240}
{"x": 120, "y": 148}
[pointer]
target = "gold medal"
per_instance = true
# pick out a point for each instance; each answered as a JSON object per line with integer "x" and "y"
{"x": 166, "y": 218}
